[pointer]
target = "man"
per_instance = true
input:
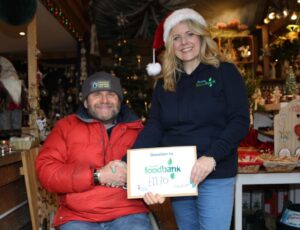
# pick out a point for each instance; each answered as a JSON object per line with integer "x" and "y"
{"x": 81, "y": 161}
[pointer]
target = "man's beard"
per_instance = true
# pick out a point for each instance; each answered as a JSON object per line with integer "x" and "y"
{"x": 105, "y": 119}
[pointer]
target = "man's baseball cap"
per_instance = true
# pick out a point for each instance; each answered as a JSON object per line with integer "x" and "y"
{"x": 102, "y": 81}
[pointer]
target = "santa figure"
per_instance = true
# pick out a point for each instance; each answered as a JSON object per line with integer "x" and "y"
{"x": 12, "y": 97}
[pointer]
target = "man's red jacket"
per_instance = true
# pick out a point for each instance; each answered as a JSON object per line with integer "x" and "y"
{"x": 77, "y": 145}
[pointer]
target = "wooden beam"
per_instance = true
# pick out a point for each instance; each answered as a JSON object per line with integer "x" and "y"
{"x": 33, "y": 93}
{"x": 265, "y": 45}
{"x": 278, "y": 25}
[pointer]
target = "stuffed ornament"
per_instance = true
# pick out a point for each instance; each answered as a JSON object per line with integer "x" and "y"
{"x": 17, "y": 12}
{"x": 10, "y": 80}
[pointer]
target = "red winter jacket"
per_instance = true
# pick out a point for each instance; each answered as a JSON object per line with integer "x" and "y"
{"x": 75, "y": 146}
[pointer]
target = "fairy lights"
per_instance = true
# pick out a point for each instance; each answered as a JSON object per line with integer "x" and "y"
{"x": 62, "y": 18}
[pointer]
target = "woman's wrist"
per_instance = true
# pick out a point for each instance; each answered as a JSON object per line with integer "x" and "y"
{"x": 213, "y": 162}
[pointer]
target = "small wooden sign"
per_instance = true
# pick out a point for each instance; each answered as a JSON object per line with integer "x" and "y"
{"x": 287, "y": 130}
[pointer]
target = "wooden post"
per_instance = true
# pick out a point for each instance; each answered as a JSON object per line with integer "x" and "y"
{"x": 265, "y": 46}
{"x": 33, "y": 93}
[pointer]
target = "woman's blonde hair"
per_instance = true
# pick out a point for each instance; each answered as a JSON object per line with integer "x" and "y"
{"x": 209, "y": 54}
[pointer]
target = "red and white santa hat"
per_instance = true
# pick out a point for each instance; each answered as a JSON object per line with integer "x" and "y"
{"x": 163, "y": 30}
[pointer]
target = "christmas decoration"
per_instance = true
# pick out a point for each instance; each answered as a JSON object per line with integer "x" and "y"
{"x": 59, "y": 90}
{"x": 178, "y": 16}
{"x": 83, "y": 64}
{"x": 163, "y": 30}
{"x": 17, "y": 12}
{"x": 285, "y": 49}
{"x": 62, "y": 18}
{"x": 290, "y": 82}
{"x": 154, "y": 68}
{"x": 137, "y": 87}
{"x": 129, "y": 19}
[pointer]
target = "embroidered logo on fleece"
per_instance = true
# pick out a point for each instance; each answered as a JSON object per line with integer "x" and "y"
{"x": 210, "y": 82}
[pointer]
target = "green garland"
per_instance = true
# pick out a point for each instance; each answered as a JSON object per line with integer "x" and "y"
{"x": 287, "y": 50}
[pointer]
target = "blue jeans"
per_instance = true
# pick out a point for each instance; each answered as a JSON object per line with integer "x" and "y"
{"x": 130, "y": 222}
{"x": 210, "y": 210}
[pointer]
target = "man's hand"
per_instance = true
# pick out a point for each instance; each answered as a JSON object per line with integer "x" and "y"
{"x": 114, "y": 174}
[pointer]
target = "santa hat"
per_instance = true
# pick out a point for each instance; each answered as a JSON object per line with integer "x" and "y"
{"x": 163, "y": 30}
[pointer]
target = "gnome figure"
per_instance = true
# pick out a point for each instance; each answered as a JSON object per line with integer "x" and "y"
{"x": 12, "y": 97}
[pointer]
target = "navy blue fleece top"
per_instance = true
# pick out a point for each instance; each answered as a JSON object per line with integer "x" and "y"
{"x": 209, "y": 109}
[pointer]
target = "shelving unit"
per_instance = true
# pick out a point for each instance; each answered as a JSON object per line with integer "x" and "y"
{"x": 238, "y": 48}
{"x": 260, "y": 179}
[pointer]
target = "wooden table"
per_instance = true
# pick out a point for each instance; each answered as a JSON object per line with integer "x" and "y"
{"x": 14, "y": 211}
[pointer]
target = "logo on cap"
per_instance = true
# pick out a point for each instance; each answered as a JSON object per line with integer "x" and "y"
{"x": 101, "y": 85}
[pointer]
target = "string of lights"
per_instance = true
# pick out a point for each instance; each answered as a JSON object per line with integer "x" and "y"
{"x": 58, "y": 13}
{"x": 283, "y": 9}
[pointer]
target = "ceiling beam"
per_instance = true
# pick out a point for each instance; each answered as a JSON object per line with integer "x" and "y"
{"x": 278, "y": 25}
{"x": 77, "y": 11}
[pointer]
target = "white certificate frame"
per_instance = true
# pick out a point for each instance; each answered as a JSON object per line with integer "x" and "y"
{"x": 164, "y": 170}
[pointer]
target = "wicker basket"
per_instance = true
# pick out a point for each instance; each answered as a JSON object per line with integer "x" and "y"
{"x": 275, "y": 163}
{"x": 249, "y": 162}
{"x": 249, "y": 168}
{"x": 23, "y": 143}
{"x": 279, "y": 166}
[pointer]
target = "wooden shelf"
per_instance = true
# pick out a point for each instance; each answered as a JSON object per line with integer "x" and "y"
{"x": 231, "y": 48}
{"x": 269, "y": 133}
{"x": 276, "y": 80}
{"x": 272, "y": 107}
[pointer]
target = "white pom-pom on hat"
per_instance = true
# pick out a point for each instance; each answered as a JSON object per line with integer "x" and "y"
{"x": 163, "y": 30}
{"x": 154, "y": 68}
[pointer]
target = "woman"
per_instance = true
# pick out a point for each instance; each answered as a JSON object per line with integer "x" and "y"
{"x": 201, "y": 100}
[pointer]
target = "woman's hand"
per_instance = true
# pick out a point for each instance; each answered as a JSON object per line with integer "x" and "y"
{"x": 150, "y": 198}
{"x": 202, "y": 168}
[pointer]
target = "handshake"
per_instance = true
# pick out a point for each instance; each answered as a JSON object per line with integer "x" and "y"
{"x": 114, "y": 175}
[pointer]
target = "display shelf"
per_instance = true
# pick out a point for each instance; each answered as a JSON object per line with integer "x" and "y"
{"x": 272, "y": 107}
{"x": 269, "y": 133}
{"x": 261, "y": 178}
{"x": 238, "y": 48}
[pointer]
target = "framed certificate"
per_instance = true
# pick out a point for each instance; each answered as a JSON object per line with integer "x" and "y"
{"x": 164, "y": 170}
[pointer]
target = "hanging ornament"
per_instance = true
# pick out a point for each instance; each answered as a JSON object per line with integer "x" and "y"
{"x": 290, "y": 83}
{"x": 17, "y": 12}
{"x": 83, "y": 64}
{"x": 143, "y": 119}
{"x": 121, "y": 20}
